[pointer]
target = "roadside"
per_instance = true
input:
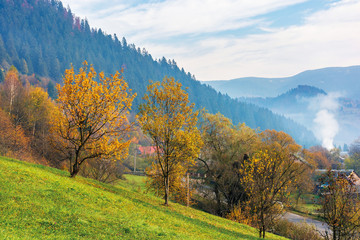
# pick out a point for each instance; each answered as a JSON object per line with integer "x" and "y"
{"x": 319, "y": 226}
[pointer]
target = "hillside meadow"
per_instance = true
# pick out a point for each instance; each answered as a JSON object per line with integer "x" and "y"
{"x": 39, "y": 202}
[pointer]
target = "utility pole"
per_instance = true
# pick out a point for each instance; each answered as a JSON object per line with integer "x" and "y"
{"x": 188, "y": 190}
{"x": 135, "y": 160}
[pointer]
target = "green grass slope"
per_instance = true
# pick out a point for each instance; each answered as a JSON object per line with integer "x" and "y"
{"x": 38, "y": 202}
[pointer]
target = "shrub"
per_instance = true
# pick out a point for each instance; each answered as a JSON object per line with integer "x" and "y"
{"x": 242, "y": 215}
{"x": 302, "y": 231}
{"x": 103, "y": 170}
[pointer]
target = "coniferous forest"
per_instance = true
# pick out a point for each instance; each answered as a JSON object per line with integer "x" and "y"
{"x": 42, "y": 38}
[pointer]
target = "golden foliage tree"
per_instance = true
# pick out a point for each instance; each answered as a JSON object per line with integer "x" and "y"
{"x": 38, "y": 111}
{"x": 269, "y": 174}
{"x": 40, "y": 107}
{"x": 225, "y": 146}
{"x": 340, "y": 206}
{"x": 169, "y": 120}
{"x": 91, "y": 121}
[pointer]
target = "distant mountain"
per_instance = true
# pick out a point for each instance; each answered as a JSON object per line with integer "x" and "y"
{"x": 42, "y": 38}
{"x": 345, "y": 80}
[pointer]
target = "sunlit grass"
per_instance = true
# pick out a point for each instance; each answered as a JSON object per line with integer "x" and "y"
{"x": 134, "y": 182}
{"x": 307, "y": 206}
{"x": 38, "y": 202}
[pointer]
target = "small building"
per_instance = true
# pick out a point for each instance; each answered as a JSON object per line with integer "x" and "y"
{"x": 147, "y": 150}
{"x": 350, "y": 175}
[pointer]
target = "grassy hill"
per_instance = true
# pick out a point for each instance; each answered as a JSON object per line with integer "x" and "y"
{"x": 38, "y": 202}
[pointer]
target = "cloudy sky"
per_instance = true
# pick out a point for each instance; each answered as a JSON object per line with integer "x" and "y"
{"x": 220, "y": 40}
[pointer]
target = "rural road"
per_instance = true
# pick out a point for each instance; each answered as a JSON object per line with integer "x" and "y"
{"x": 320, "y": 226}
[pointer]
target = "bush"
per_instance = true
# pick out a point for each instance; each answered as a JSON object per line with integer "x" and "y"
{"x": 242, "y": 215}
{"x": 103, "y": 170}
{"x": 302, "y": 231}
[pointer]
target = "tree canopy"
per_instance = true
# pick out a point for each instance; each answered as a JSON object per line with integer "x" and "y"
{"x": 168, "y": 118}
{"x": 91, "y": 121}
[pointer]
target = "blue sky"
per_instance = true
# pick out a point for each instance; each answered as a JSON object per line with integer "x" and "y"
{"x": 220, "y": 40}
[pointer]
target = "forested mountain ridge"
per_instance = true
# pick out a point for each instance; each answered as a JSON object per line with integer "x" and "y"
{"x": 41, "y": 37}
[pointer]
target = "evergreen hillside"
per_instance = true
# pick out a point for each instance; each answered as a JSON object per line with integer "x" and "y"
{"x": 301, "y": 91}
{"x": 38, "y": 202}
{"x": 42, "y": 37}
{"x": 293, "y": 99}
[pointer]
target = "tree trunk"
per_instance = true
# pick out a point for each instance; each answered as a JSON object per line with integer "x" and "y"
{"x": 34, "y": 127}
{"x": 75, "y": 169}
{"x": 298, "y": 194}
{"x": 188, "y": 190}
{"x": 263, "y": 232}
{"x": 260, "y": 233}
{"x": 218, "y": 201}
{"x": 167, "y": 190}
{"x": 262, "y": 226}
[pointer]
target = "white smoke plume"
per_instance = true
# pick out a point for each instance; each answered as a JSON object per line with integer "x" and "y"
{"x": 326, "y": 125}
{"x": 327, "y": 129}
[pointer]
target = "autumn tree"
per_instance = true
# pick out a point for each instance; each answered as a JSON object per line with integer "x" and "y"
{"x": 13, "y": 141}
{"x": 340, "y": 206}
{"x": 39, "y": 108}
{"x": 29, "y": 109}
{"x": 353, "y": 160}
{"x": 91, "y": 121}
{"x": 37, "y": 116}
{"x": 269, "y": 174}
{"x": 222, "y": 154}
{"x": 168, "y": 118}
{"x": 321, "y": 156}
{"x": 305, "y": 182}
{"x": 12, "y": 89}
{"x": 13, "y": 96}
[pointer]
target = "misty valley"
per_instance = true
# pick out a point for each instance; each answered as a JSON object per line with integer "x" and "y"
{"x": 326, "y": 101}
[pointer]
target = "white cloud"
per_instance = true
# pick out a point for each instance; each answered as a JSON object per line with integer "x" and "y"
{"x": 326, "y": 38}
{"x": 176, "y": 17}
{"x": 290, "y": 50}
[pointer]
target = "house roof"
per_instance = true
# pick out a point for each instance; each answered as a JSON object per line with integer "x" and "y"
{"x": 147, "y": 150}
{"x": 354, "y": 178}
{"x": 350, "y": 174}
